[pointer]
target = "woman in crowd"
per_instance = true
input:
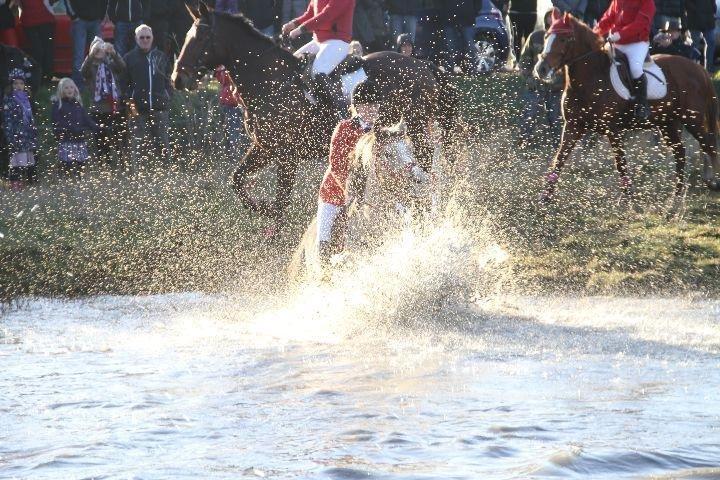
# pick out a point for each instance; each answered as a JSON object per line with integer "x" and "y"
{"x": 102, "y": 70}
{"x": 232, "y": 112}
{"x": 20, "y": 131}
{"x": 70, "y": 122}
{"x": 38, "y": 22}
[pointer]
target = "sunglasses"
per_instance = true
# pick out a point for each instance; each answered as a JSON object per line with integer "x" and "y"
{"x": 144, "y": 37}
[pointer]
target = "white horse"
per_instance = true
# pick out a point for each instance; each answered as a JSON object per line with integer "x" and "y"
{"x": 387, "y": 189}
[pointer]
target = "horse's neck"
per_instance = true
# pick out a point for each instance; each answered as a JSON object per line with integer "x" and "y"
{"x": 260, "y": 71}
{"x": 588, "y": 71}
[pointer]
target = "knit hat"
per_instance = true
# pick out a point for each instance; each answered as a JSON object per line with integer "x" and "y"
{"x": 16, "y": 74}
{"x": 96, "y": 43}
{"x": 560, "y": 23}
{"x": 366, "y": 92}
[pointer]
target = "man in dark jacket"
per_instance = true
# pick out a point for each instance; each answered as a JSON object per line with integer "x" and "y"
{"x": 148, "y": 90}
{"x": 263, "y": 13}
{"x": 458, "y": 20}
{"x": 523, "y": 16}
{"x": 127, "y": 15}
{"x": 701, "y": 23}
{"x": 595, "y": 10}
{"x": 403, "y": 17}
{"x": 86, "y": 16}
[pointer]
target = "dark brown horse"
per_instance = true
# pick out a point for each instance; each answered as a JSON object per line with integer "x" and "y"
{"x": 284, "y": 125}
{"x": 590, "y": 104}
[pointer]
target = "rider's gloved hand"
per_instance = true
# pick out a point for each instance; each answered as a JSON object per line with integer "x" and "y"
{"x": 288, "y": 27}
{"x": 613, "y": 37}
{"x": 295, "y": 33}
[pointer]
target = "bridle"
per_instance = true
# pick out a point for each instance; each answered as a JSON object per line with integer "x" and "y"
{"x": 567, "y": 63}
{"x": 200, "y": 67}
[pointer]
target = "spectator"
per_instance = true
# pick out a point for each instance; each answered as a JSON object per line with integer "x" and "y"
{"x": 38, "y": 23}
{"x": 403, "y": 17}
{"x": 666, "y": 10}
{"x": 12, "y": 58}
{"x": 7, "y": 25}
{"x": 356, "y": 49}
{"x": 20, "y": 132}
{"x": 127, "y": 15}
{"x": 102, "y": 70}
{"x": 263, "y": 14}
{"x": 369, "y": 24}
{"x": 458, "y": 20}
{"x": 523, "y": 16}
{"x": 542, "y": 98}
{"x": 70, "y": 122}
{"x": 226, "y": 6}
{"x": 595, "y": 10}
{"x": 701, "y": 23}
{"x": 86, "y": 16}
{"x": 574, "y": 7}
{"x": 404, "y": 44}
{"x": 232, "y": 112}
{"x": 672, "y": 41}
{"x": 147, "y": 87}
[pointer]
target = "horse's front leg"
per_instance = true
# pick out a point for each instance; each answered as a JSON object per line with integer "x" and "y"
{"x": 254, "y": 160}
{"x": 672, "y": 134}
{"x": 287, "y": 167}
{"x": 570, "y": 135}
{"x": 618, "y": 148}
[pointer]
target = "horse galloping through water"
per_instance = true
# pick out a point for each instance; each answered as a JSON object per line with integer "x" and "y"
{"x": 590, "y": 104}
{"x": 387, "y": 188}
{"x": 283, "y": 122}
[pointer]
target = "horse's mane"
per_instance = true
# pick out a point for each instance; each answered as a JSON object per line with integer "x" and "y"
{"x": 585, "y": 34}
{"x": 239, "y": 19}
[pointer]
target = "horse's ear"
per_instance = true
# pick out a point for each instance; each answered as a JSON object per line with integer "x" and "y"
{"x": 193, "y": 14}
{"x": 203, "y": 9}
{"x": 567, "y": 17}
{"x": 556, "y": 14}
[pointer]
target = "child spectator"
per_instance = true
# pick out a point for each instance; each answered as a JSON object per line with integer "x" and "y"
{"x": 356, "y": 49}
{"x": 70, "y": 121}
{"x": 102, "y": 70}
{"x": 404, "y": 44}
{"x": 20, "y": 131}
{"x": 232, "y": 111}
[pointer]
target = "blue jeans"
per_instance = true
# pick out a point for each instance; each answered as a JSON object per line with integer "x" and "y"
{"x": 454, "y": 37}
{"x": 235, "y": 137}
{"x": 708, "y": 49}
{"x": 83, "y": 31}
{"x": 124, "y": 32}
{"x": 403, "y": 24}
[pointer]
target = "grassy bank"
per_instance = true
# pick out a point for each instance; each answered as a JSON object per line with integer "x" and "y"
{"x": 183, "y": 229}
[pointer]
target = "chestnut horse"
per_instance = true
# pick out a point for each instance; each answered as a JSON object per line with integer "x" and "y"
{"x": 283, "y": 123}
{"x": 590, "y": 104}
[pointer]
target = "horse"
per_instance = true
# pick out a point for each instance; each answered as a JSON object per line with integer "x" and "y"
{"x": 590, "y": 104}
{"x": 388, "y": 191}
{"x": 283, "y": 123}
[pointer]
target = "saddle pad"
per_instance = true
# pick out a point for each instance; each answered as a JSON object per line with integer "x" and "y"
{"x": 657, "y": 84}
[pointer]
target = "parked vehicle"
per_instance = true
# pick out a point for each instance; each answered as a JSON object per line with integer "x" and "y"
{"x": 63, "y": 39}
{"x": 492, "y": 42}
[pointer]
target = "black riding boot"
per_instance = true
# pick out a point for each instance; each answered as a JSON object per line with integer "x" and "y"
{"x": 325, "y": 93}
{"x": 642, "y": 109}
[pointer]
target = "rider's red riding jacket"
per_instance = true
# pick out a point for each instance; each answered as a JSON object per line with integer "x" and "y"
{"x": 342, "y": 148}
{"x": 328, "y": 19}
{"x": 631, "y": 19}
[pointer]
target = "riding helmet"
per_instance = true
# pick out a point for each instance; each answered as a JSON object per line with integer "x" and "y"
{"x": 402, "y": 39}
{"x": 367, "y": 91}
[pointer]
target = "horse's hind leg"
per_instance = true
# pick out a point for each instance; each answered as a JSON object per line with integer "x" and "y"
{"x": 618, "y": 147}
{"x": 672, "y": 133}
{"x": 708, "y": 143}
{"x": 570, "y": 135}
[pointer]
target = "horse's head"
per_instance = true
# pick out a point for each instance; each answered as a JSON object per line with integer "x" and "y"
{"x": 566, "y": 40}
{"x": 199, "y": 52}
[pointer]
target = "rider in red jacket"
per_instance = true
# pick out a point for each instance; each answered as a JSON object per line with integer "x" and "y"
{"x": 330, "y": 22}
{"x": 626, "y": 24}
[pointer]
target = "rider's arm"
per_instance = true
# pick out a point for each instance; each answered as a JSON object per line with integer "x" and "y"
{"x": 327, "y": 15}
{"x": 608, "y": 20}
{"x": 642, "y": 23}
{"x": 305, "y": 16}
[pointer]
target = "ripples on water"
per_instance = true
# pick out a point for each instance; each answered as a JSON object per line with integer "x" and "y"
{"x": 388, "y": 376}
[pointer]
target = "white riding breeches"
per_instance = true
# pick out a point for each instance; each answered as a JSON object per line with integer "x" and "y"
{"x": 326, "y": 215}
{"x": 328, "y": 54}
{"x": 636, "y": 54}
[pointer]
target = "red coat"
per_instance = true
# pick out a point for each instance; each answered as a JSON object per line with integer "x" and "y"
{"x": 34, "y": 13}
{"x": 342, "y": 146}
{"x": 228, "y": 92}
{"x": 328, "y": 19}
{"x": 629, "y": 18}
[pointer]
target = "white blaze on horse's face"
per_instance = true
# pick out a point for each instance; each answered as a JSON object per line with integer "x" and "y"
{"x": 548, "y": 44}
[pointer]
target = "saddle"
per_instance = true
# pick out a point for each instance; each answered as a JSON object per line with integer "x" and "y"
{"x": 622, "y": 82}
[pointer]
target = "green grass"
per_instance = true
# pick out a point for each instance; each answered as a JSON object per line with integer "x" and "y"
{"x": 183, "y": 229}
